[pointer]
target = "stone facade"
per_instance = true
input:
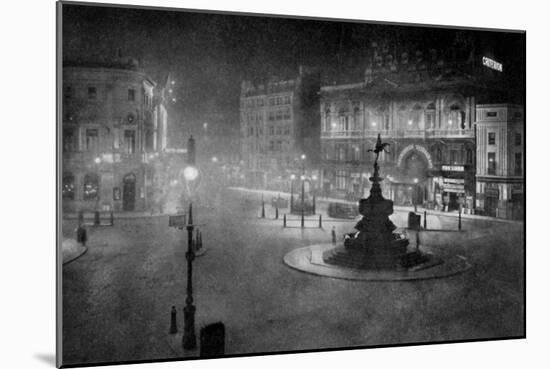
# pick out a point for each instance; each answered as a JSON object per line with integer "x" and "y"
{"x": 500, "y": 160}
{"x": 424, "y": 105}
{"x": 114, "y": 126}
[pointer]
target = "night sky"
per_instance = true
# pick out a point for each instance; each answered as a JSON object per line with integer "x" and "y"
{"x": 208, "y": 55}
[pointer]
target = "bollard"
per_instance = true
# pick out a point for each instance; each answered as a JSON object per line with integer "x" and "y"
{"x": 263, "y": 209}
{"x": 81, "y": 235}
{"x": 96, "y": 217}
{"x": 425, "y": 221}
{"x": 277, "y": 212}
{"x": 284, "y": 220}
{"x": 459, "y": 219}
{"x": 173, "y": 322}
{"x": 112, "y": 218}
{"x": 302, "y": 221}
{"x": 333, "y": 233}
{"x": 314, "y": 204}
{"x": 320, "y": 221}
{"x": 80, "y": 217}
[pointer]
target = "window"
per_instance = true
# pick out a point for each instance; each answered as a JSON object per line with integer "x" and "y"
{"x": 92, "y": 140}
{"x": 491, "y": 164}
{"x": 416, "y": 118}
{"x": 91, "y": 186}
{"x": 341, "y": 179}
{"x": 286, "y": 130}
{"x": 518, "y": 139}
{"x": 438, "y": 155}
{"x": 518, "y": 164}
{"x": 469, "y": 156}
{"x": 456, "y": 118}
{"x": 69, "y": 140}
{"x": 356, "y": 153}
{"x": 271, "y": 145}
{"x": 279, "y": 131}
{"x": 271, "y": 130}
{"x": 129, "y": 141}
{"x": 92, "y": 93}
{"x": 68, "y": 92}
{"x": 271, "y": 115}
{"x": 279, "y": 115}
{"x": 491, "y": 138}
{"x": 132, "y": 95}
{"x": 430, "y": 116}
{"x": 287, "y": 113}
{"x": 68, "y": 187}
{"x": 327, "y": 120}
{"x": 491, "y": 114}
{"x": 454, "y": 156}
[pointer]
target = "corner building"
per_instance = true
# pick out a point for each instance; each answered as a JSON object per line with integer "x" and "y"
{"x": 424, "y": 105}
{"x": 114, "y": 126}
{"x": 500, "y": 160}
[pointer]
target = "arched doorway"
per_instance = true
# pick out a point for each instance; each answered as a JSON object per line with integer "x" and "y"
{"x": 129, "y": 192}
{"x": 412, "y": 186}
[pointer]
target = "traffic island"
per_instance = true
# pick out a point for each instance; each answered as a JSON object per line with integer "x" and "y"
{"x": 310, "y": 260}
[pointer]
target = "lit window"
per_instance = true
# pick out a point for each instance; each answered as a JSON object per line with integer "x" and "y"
{"x": 491, "y": 164}
{"x": 129, "y": 141}
{"x": 92, "y": 140}
{"x": 68, "y": 187}
{"x": 91, "y": 187}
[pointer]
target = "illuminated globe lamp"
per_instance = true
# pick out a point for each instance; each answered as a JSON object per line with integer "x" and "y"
{"x": 190, "y": 173}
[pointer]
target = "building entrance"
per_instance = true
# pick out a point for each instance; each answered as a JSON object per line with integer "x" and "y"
{"x": 129, "y": 193}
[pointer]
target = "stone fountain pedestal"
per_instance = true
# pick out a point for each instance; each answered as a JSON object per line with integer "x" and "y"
{"x": 375, "y": 245}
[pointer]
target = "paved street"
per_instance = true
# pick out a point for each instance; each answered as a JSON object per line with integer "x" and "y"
{"x": 117, "y": 297}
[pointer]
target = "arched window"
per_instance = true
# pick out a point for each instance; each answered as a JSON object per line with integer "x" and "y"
{"x": 430, "y": 116}
{"x": 456, "y": 117}
{"x": 68, "y": 186}
{"x": 402, "y": 117}
{"x": 91, "y": 186}
{"x": 356, "y": 119}
{"x": 415, "y": 121}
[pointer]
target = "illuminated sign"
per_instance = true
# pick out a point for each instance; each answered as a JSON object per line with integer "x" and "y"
{"x": 492, "y": 64}
{"x": 453, "y": 181}
{"x": 453, "y": 168}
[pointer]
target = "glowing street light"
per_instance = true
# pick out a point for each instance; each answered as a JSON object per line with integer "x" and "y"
{"x": 214, "y": 159}
{"x": 303, "y": 156}
{"x": 97, "y": 160}
{"x": 293, "y": 177}
{"x": 190, "y": 173}
{"x": 415, "y": 180}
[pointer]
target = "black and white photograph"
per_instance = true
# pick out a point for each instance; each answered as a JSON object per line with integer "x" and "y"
{"x": 239, "y": 184}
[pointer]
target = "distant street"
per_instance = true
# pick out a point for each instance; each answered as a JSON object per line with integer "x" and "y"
{"x": 117, "y": 297}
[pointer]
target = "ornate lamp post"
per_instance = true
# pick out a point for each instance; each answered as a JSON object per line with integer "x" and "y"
{"x": 303, "y": 179}
{"x": 189, "y": 340}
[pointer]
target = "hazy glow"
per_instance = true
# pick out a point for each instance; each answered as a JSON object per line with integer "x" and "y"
{"x": 190, "y": 173}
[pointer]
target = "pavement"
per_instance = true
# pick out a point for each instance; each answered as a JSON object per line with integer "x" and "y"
{"x": 274, "y": 194}
{"x": 117, "y": 297}
{"x": 71, "y": 250}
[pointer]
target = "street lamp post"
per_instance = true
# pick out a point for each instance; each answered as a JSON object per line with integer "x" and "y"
{"x": 415, "y": 194}
{"x": 189, "y": 339}
{"x": 303, "y": 178}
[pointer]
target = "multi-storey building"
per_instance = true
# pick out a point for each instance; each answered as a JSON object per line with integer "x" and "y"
{"x": 423, "y": 104}
{"x": 114, "y": 126}
{"x": 279, "y": 123}
{"x": 500, "y": 160}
